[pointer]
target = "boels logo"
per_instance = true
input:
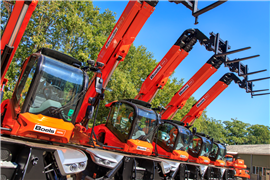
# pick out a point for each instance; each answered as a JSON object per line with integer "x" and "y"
{"x": 182, "y": 156}
{"x": 49, "y": 130}
{"x": 141, "y": 148}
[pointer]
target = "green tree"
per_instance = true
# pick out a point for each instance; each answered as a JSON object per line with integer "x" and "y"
{"x": 236, "y": 132}
{"x": 6, "y": 9}
{"x": 258, "y": 134}
{"x": 210, "y": 126}
{"x": 76, "y": 28}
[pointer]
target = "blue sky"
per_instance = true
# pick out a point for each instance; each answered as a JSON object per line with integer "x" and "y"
{"x": 242, "y": 23}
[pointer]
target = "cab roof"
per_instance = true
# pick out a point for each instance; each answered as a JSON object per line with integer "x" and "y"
{"x": 60, "y": 56}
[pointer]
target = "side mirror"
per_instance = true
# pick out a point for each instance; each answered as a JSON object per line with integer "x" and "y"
{"x": 159, "y": 120}
{"x": 194, "y": 130}
{"x": 99, "y": 85}
{"x": 89, "y": 112}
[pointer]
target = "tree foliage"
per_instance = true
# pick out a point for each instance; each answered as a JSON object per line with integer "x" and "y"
{"x": 236, "y": 131}
{"x": 75, "y": 28}
{"x": 258, "y": 134}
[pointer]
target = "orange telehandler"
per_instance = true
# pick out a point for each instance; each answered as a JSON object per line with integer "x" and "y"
{"x": 238, "y": 165}
{"x": 167, "y": 148}
{"x": 21, "y": 159}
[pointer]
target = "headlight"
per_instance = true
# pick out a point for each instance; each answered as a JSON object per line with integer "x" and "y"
{"x": 81, "y": 165}
{"x": 70, "y": 161}
{"x": 102, "y": 161}
{"x": 73, "y": 167}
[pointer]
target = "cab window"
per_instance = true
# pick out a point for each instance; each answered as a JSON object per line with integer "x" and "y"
{"x": 145, "y": 124}
{"x": 214, "y": 151}
{"x": 25, "y": 81}
{"x": 195, "y": 146}
{"x": 120, "y": 120}
{"x": 167, "y": 134}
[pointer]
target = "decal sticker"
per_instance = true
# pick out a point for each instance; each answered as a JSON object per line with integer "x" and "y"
{"x": 112, "y": 36}
{"x": 191, "y": 81}
{"x": 49, "y": 130}
{"x": 141, "y": 148}
{"x": 155, "y": 72}
{"x": 183, "y": 89}
{"x": 165, "y": 60}
{"x": 70, "y": 112}
{"x": 44, "y": 129}
{"x": 200, "y": 102}
{"x": 60, "y": 132}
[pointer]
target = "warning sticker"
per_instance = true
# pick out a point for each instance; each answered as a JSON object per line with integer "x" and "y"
{"x": 183, "y": 89}
{"x": 112, "y": 36}
{"x": 60, "y": 132}
{"x": 200, "y": 102}
{"x": 155, "y": 72}
{"x": 70, "y": 112}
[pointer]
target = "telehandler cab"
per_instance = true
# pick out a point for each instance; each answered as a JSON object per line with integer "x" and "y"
{"x": 216, "y": 157}
{"x": 130, "y": 129}
{"x": 43, "y": 109}
{"x": 238, "y": 165}
{"x": 171, "y": 142}
{"x": 198, "y": 152}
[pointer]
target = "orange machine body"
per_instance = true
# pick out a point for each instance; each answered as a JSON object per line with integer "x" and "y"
{"x": 131, "y": 146}
{"x": 35, "y": 126}
{"x": 239, "y": 166}
{"x": 241, "y": 173}
{"x": 199, "y": 160}
{"x": 175, "y": 154}
{"x": 219, "y": 163}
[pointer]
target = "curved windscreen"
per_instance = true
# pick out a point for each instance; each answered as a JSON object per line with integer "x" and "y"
{"x": 222, "y": 152}
{"x": 60, "y": 86}
{"x": 195, "y": 146}
{"x": 229, "y": 159}
{"x": 145, "y": 125}
{"x": 214, "y": 151}
{"x": 166, "y": 136}
{"x": 206, "y": 147}
{"x": 120, "y": 120}
{"x": 185, "y": 137}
